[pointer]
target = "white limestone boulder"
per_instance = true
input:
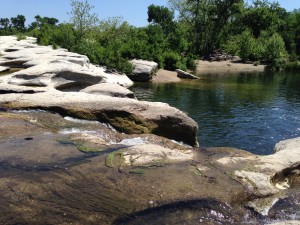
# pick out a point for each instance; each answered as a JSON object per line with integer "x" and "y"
{"x": 143, "y": 70}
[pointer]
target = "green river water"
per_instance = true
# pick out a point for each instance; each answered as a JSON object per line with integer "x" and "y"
{"x": 251, "y": 111}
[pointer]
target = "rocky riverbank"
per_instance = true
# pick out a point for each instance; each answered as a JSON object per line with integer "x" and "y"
{"x": 67, "y": 83}
{"x": 76, "y": 147}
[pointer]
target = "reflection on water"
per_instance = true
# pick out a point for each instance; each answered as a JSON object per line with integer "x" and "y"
{"x": 246, "y": 111}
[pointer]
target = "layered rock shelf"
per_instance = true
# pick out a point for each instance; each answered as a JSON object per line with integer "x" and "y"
{"x": 66, "y": 82}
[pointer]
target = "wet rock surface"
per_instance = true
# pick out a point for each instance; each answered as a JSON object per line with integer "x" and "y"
{"x": 126, "y": 115}
{"x": 78, "y": 172}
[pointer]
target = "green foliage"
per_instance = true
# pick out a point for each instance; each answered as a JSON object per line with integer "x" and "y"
{"x": 64, "y": 36}
{"x": 18, "y": 23}
{"x": 260, "y": 18}
{"x": 163, "y": 16}
{"x": 206, "y": 20}
{"x": 82, "y": 18}
{"x": 4, "y": 23}
{"x": 21, "y": 36}
{"x": 42, "y": 21}
{"x": 267, "y": 47}
{"x": 261, "y": 32}
{"x": 246, "y": 46}
{"x": 275, "y": 49}
{"x": 292, "y": 66}
{"x": 114, "y": 60}
{"x": 171, "y": 60}
{"x": 277, "y": 64}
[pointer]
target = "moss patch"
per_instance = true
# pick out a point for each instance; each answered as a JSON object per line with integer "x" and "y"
{"x": 115, "y": 159}
{"x": 85, "y": 148}
{"x": 127, "y": 122}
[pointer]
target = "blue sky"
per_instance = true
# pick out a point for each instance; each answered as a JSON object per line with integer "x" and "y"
{"x": 133, "y": 11}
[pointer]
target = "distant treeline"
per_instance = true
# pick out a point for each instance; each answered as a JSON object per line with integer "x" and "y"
{"x": 262, "y": 32}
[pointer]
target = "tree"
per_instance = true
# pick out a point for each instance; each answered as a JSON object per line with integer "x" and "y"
{"x": 275, "y": 48}
{"x": 4, "y": 23}
{"x": 206, "y": 19}
{"x": 82, "y": 18}
{"x": 291, "y": 34}
{"x": 162, "y": 16}
{"x": 263, "y": 15}
{"x": 42, "y": 21}
{"x": 18, "y": 22}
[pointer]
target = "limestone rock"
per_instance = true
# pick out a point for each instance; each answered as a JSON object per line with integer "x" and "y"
{"x": 269, "y": 174}
{"x": 57, "y": 80}
{"x": 143, "y": 70}
{"x": 151, "y": 154}
{"x": 113, "y": 90}
{"x": 4, "y": 69}
{"x": 185, "y": 75}
{"x": 286, "y": 222}
{"x": 46, "y": 67}
{"x": 126, "y": 115}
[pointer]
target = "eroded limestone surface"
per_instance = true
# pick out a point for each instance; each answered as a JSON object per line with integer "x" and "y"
{"x": 85, "y": 172}
{"x": 66, "y": 82}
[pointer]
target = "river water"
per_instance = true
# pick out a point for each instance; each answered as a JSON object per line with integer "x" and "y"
{"x": 252, "y": 112}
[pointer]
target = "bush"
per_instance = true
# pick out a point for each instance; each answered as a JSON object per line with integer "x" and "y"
{"x": 21, "y": 36}
{"x": 275, "y": 49}
{"x": 113, "y": 60}
{"x": 171, "y": 61}
{"x": 277, "y": 64}
{"x": 247, "y": 45}
{"x": 190, "y": 62}
{"x": 292, "y": 66}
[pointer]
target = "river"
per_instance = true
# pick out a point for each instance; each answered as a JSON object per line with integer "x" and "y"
{"x": 251, "y": 111}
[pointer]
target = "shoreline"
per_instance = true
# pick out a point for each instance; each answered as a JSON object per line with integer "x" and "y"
{"x": 228, "y": 66}
{"x": 207, "y": 67}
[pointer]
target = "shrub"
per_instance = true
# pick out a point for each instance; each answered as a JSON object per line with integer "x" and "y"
{"x": 21, "y": 36}
{"x": 190, "y": 62}
{"x": 247, "y": 45}
{"x": 275, "y": 49}
{"x": 171, "y": 61}
{"x": 277, "y": 64}
{"x": 113, "y": 60}
{"x": 292, "y": 66}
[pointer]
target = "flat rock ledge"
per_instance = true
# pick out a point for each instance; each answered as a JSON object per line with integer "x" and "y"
{"x": 82, "y": 161}
{"x": 124, "y": 114}
{"x": 267, "y": 177}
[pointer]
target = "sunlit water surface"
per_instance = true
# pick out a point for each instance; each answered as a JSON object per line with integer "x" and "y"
{"x": 246, "y": 111}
